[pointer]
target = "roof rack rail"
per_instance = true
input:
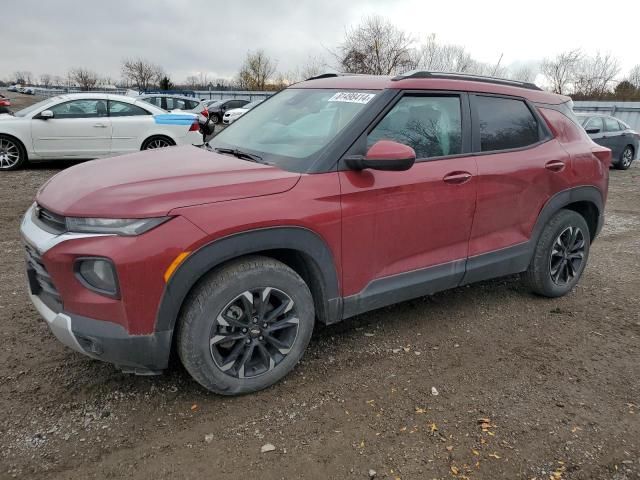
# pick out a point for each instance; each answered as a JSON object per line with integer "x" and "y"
{"x": 465, "y": 76}
{"x": 331, "y": 75}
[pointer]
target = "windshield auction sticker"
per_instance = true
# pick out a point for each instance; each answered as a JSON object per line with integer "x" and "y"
{"x": 352, "y": 97}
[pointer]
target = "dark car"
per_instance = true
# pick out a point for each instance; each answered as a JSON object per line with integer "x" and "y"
{"x": 337, "y": 196}
{"x": 614, "y": 134}
{"x": 217, "y": 108}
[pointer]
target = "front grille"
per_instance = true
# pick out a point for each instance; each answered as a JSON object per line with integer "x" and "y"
{"x": 40, "y": 281}
{"x": 49, "y": 221}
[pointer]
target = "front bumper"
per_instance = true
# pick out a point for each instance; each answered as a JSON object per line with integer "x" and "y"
{"x": 119, "y": 331}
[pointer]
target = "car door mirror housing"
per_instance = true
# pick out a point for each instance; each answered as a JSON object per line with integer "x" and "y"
{"x": 46, "y": 114}
{"x": 384, "y": 155}
{"x": 593, "y": 130}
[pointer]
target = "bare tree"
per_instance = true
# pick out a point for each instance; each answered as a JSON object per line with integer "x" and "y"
{"x": 440, "y": 57}
{"x": 634, "y": 76}
{"x": 141, "y": 73}
{"x": 22, "y": 77}
{"x": 45, "y": 80}
{"x": 595, "y": 74}
{"x": 560, "y": 71}
{"x": 84, "y": 78}
{"x": 375, "y": 47}
{"x": 524, "y": 73}
{"x": 192, "y": 82}
{"x": 256, "y": 71}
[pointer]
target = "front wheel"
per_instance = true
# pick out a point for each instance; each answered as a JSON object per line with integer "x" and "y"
{"x": 560, "y": 255}
{"x": 12, "y": 154}
{"x": 245, "y": 326}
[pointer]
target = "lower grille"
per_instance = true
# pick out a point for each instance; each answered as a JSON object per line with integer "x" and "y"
{"x": 40, "y": 281}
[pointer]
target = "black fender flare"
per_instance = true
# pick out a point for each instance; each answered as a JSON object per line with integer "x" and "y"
{"x": 564, "y": 198}
{"x": 203, "y": 260}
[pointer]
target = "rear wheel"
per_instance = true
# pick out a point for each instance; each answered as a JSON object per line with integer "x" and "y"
{"x": 560, "y": 255}
{"x": 12, "y": 153}
{"x": 625, "y": 158}
{"x": 157, "y": 142}
{"x": 245, "y": 326}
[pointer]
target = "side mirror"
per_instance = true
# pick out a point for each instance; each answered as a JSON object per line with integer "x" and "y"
{"x": 46, "y": 114}
{"x": 593, "y": 130}
{"x": 384, "y": 155}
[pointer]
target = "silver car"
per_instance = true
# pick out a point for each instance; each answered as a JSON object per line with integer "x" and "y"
{"x": 614, "y": 134}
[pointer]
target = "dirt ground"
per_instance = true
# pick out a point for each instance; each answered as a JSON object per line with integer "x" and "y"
{"x": 481, "y": 382}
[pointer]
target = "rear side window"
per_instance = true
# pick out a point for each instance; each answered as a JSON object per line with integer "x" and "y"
{"x": 432, "y": 126}
{"x": 505, "y": 123}
{"x": 122, "y": 109}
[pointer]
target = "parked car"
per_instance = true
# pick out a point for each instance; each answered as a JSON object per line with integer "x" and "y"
{"x": 171, "y": 102}
{"x": 4, "y": 101}
{"x": 339, "y": 195}
{"x": 21, "y": 89}
{"x": 14, "y": 88}
{"x": 89, "y": 125}
{"x": 235, "y": 113}
{"x": 29, "y": 90}
{"x": 217, "y": 108}
{"x": 614, "y": 134}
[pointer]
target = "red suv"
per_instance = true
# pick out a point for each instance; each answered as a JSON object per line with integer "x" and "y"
{"x": 337, "y": 196}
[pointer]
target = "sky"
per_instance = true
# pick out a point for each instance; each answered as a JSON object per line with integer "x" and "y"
{"x": 187, "y": 37}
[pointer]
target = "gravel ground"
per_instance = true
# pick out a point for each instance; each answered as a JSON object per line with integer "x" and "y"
{"x": 485, "y": 381}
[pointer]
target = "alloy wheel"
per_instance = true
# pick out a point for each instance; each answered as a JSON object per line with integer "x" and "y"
{"x": 158, "y": 143}
{"x": 627, "y": 157}
{"x": 9, "y": 153}
{"x": 254, "y": 332}
{"x": 567, "y": 255}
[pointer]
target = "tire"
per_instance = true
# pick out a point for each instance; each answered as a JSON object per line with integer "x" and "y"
{"x": 227, "y": 351}
{"x": 158, "y": 141}
{"x": 626, "y": 157}
{"x": 12, "y": 153}
{"x": 215, "y": 119}
{"x": 551, "y": 273}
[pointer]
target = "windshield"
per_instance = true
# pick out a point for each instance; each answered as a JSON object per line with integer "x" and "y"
{"x": 290, "y": 128}
{"x": 32, "y": 108}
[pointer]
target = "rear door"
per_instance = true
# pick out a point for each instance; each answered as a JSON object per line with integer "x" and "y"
{"x": 79, "y": 129}
{"x": 416, "y": 221}
{"x": 520, "y": 166}
{"x": 131, "y": 125}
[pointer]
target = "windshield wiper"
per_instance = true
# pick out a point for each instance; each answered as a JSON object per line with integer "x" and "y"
{"x": 240, "y": 154}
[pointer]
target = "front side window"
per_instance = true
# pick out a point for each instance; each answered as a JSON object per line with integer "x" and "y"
{"x": 611, "y": 124}
{"x": 432, "y": 126}
{"x": 80, "y": 109}
{"x": 505, "y": 123}
{"x": 293, "y": 127}
{"x": 122, "y": 109}
{"x": 593, "y": 123}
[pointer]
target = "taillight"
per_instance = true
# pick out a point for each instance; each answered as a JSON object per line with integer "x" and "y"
{"x": 603, "y": 154}
{"x": 195, "y": 126}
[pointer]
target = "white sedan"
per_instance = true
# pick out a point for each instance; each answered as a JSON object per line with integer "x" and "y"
{"x": 235, "y": 113}
{"x": 90, "y": 125}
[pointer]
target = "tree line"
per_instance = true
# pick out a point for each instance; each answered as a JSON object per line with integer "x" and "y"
{"x": 378, "y": 47}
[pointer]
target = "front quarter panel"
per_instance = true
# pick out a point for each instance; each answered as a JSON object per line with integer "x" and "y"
{"x": 19, "y": 128}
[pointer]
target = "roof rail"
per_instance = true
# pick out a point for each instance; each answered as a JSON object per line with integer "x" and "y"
{"x": 465, "y": 76}
{"x": 331, "y": 75}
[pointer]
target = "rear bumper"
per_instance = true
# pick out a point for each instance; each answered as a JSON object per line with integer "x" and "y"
{"x": 109, "y": 342}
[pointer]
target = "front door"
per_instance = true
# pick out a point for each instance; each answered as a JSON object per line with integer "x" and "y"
{"x": 407, "y": 233}
{"x": 78, "y": 129}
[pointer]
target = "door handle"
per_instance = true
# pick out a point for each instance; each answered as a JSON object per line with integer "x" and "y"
{"x": 457, "y": 178}
{"x": 99, "y": 125}
{"x": 555, "y": 165}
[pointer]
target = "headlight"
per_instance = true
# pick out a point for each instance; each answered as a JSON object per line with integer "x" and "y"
{"x": 97, "y": 274}
{"x": 117, "y": 226}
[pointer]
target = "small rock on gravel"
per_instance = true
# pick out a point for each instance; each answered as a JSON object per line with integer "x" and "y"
{"x": 208, "y": 437}
{"x": 372, "y": 473}
{"x": 434, "y": 391}
{"x": 267, "y": 447}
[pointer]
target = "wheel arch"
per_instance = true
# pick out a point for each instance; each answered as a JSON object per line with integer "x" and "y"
{"x": 585, "y": 200}
{"x": 21, "y": 143}
{"x": 299, "y": 248}
{"x": 157, "y": 135}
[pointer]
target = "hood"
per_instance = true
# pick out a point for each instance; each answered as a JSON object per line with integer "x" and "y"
{"x": 154, "y": 182}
